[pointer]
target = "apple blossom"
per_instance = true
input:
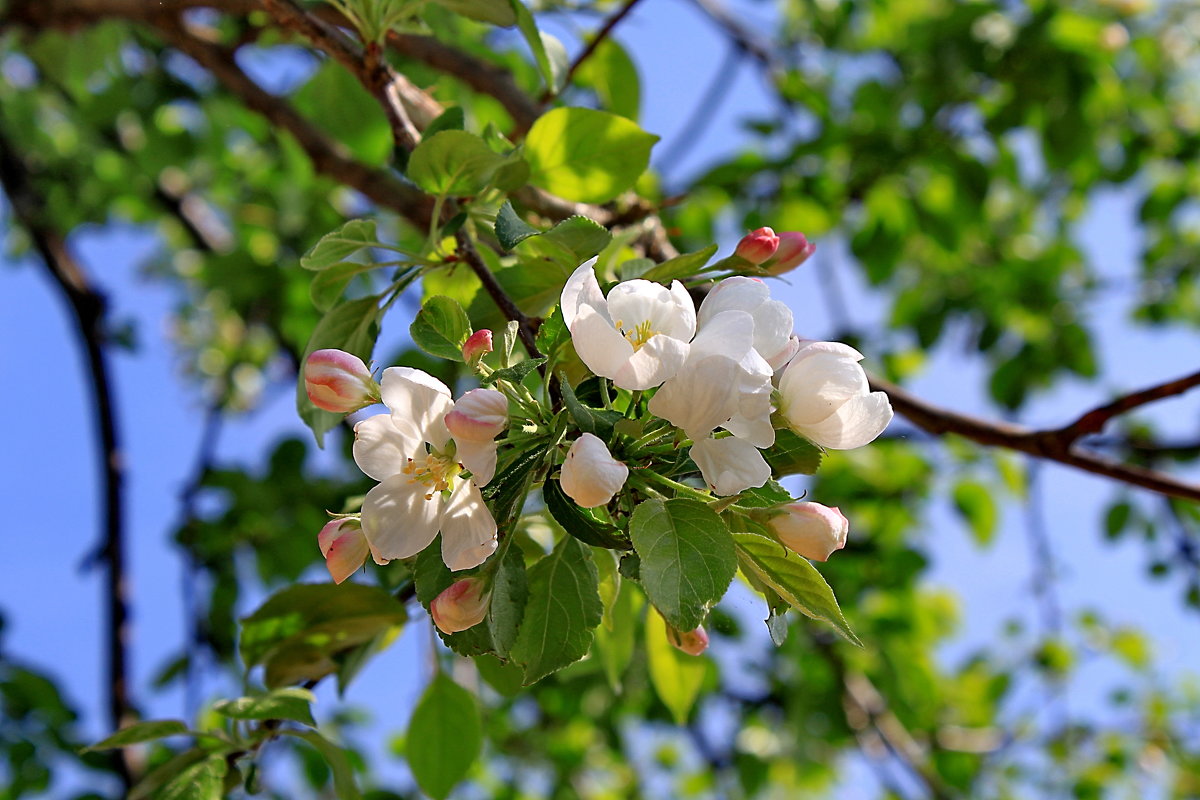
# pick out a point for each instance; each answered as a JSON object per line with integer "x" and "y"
{"x": 730, "y": 465}
{"x": 638, "y": 336}
{"x": 590, "y": 475}
{"x": 758, "y": 245}
{"x": 420, "y": 491}
{"x": 693, "y": 642}
{"x": 344, "y": 547}
{"x": 824, "y": 396}
{"x": 794, "y": 250}
{"x": 773, "y": 337}
{"x": 338, "y": 381}
{"x": 462, "y": 605}
{"x": 811, "y": 529}
{"x": 474, "y": 422}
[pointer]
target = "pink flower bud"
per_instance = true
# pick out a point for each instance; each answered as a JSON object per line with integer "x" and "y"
{"x": 693, "y": 642}
{"x": 477, "y": 346}
{"x": 339, "y": 382}
{"x": 757, "y": 246}
{"x": 478, "y": 416}
{"x": 344, "y": 546}
{"x": 590, "y": 475}
{"x": 463, "y": 605}
{"x": 794, "y": 250}
{"x": 811, "y": 529}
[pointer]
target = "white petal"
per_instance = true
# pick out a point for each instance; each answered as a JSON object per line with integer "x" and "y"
{"x": 468, "y": 529}
{"x": 729, "y": 334}
{"x": 809, "y": 347}
{"x": 701, "y": 397}
{"x": 654, "y": 362}
{"x": 598, "y": 344}
{"x": 480, "y": 458}
{"x": 420, "y": 399}
{"x": 733, "y": 294}
{"x": 817, "y": 383}
{"x": 730, "y": 465}
{"x": 397, "y": 519}
{"x": 757, "y": 430}
{"x": 590, "y": 475}
{"x": 780, "y": 360}
{"x": 858, "y": 421}
{"x": 382, "y": 448}
{"x": 683, "y": 322}
{"x": 773, "y": 332}
{"x": 582, "y": 289}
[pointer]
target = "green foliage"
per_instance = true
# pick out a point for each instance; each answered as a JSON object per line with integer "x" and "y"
{"x": 444, "y": 736}
{"x": 440, "y": 328}
{"x": 139, "y": 732}
{"x": 677, "y": 677}
{"x": 453, "y": 164}
{"x": 586, "y": 155}
{"x": 351, "y": 326}
{"x": 290, "y": 703}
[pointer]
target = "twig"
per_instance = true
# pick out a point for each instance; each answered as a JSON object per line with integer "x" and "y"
{"x": 744, "y": 40}
{"x": 1055, "y": 445}
{"x": 466, "y": 248}
{"x": 89, "y": 307}
{"x": 600, "y": 36}
{"x": 1095, "y": 420}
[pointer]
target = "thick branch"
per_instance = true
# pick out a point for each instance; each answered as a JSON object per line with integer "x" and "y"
{"x": 89, "y": 308}
{"x": 1055, "y": 445}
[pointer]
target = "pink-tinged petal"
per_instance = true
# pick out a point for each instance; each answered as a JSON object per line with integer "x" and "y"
{"x": 419, "y": 399}
{"x": 701, "y": 397}
{"x": 757, "y": 246}
{"x": 398, "y": 520}
{"x": 462, "y": 605}
{"x": 468, "y": 529}
{"x": 344, "y": 546}
{"x": 693, "y": 642}
{"x": 730, "y": 465}
{"x": 856, "y": 422}
{"x": 654, "y": 362}
{"x": 382, "y": 448}
{"x": 480, "y": 458}
{"x": 816, "y": 384}
{"x": 780, "y": 360}
{"x": 794, "y": 250}
{"x": 477, "y": 345}
{"x": 582, "y": 289}
{"x": 599, "y": 345}
{"x": 590, "y": 475}
{"x": 811, "y": 529}
{"x": 338, "y": 381}
{"x": 478, "y": 416}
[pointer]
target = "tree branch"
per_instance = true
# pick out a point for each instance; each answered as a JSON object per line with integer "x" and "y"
{"x": 600, "y": 36}
{"x": 1095, "y": 420}
{"x": 466, "y": 248}
{"x": 1055, "y": 445}
{"x": 89, "y": 307}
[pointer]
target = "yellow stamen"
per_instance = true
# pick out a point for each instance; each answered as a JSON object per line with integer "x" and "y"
{"x": 639, "y": 334}
{"x": 435, "y": 470}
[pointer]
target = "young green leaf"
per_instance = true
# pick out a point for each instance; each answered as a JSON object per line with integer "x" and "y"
{"x": 453, "y": 164}
{"x": 677, "y": 677}
{"x": 510, "y": 593}
{"x": 202, "y": 781}
{"x": 551, "y": 71}
{"x": 597, "y": 421}
{"x": 563, "y": 610}
{"x": 614, "y": 77}
{"x": 440, "y": 328}
{"x": 328, "y": 284}
{"x": 687, "y": 558}
{"x": 292, "y": 703}
{"x": 586, "y": 155}
{"x": 338, "y": 245}
{"x": 497, "y": 12}
{"x": 681, "y": 266}
{"x": 793, "y": 578}
{"x": 344, "y": 785}
{"x": 792, "y": 455}
{"x": 514, "y": 374}
{"x": 569, "y": 243}
{"x": 579, "y": 522}
{"x": 140, "y": 732}
{"x": 511, "y": 230}
{"x": 445, "y": 736}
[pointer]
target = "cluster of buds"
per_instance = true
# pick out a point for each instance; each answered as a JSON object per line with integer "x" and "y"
{"x": 775, "y": 253}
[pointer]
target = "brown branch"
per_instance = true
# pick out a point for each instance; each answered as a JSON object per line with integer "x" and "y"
{"x": 1095, "y": 420}
{"x": 1055, "y": 445}
{"x": 466, "y": 249}
{"x": 89, "y": 307}
{"x": 600, "y": 36}
{"x": 68, "y": 14}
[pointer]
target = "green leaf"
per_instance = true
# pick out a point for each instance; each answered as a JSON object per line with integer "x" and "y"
{"x": 612, "y": 74}
{"x": 510, "y": 593}
{"x": 440, "y": 328}
{"x": 452, "y": 119}
{"x": 615, "y": 646}
{"x": 552, "y": 334}
{"x": 497, "y": 12}
{"x": 339, "y": 764}
{"x": 677, "y": 677}
{"x": 563, "y": 609}
{"x": 445, "y": 736}
{"x": 792, "y": 455}
{"x": 597, "y": 421}
{"x": 336, "y": 246}
{"x": 140, "y": 732}
{"x": 351, "y": 326}
{"x": 514, "y": 374}
{"x": 153, "y": 784}
{"x": 202, "y": 781}
{"x": 297, "y": 630}
{"x": 681, "y": 266}
{"x": 974, "y": 502}
{"x": 511, "y": 230}
{"x": 292, "y": 703}
{"x": 505, "y": 678}
{"x": 579, "y": 522}
{"x": 569, "y": 243}
{"x": 586, "y": 155}
{"x": 453, "y": 164}
{"x": 793, "y": 578}
{"x": 687, "y": 558}
{"x": 551, "y": 72}
{"x": 327, "y": 287}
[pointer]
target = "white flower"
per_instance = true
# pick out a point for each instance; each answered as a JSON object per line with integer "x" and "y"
{"x": 772, "y": 319}
{"x": 730, "y": 465}
{"x": 824, "y": 396}
{"x": 420, "y": 492}
{"x": 811, "y": 529}
{"x": 638, "y": 336}
{"x": 590, "y": 475}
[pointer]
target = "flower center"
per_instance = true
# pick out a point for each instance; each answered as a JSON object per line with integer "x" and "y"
{"x": 436, "y": 470}
{"x": 637, "y": 335}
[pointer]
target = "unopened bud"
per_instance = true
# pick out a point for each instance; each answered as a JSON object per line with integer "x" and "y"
{"x": 794, "y": 250}
{"x": 478, "y": 416}
{"x": 757, "y": 246}
{"x": 811, "y": 529}
{"x": 477, "y": 346}
{"x": 344, "y": 546}
{"x": 590, "y": 475}
{"x": 338, "y": 381}
{"x": 693, "y": 642}
{"x": 463, "y": 605}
